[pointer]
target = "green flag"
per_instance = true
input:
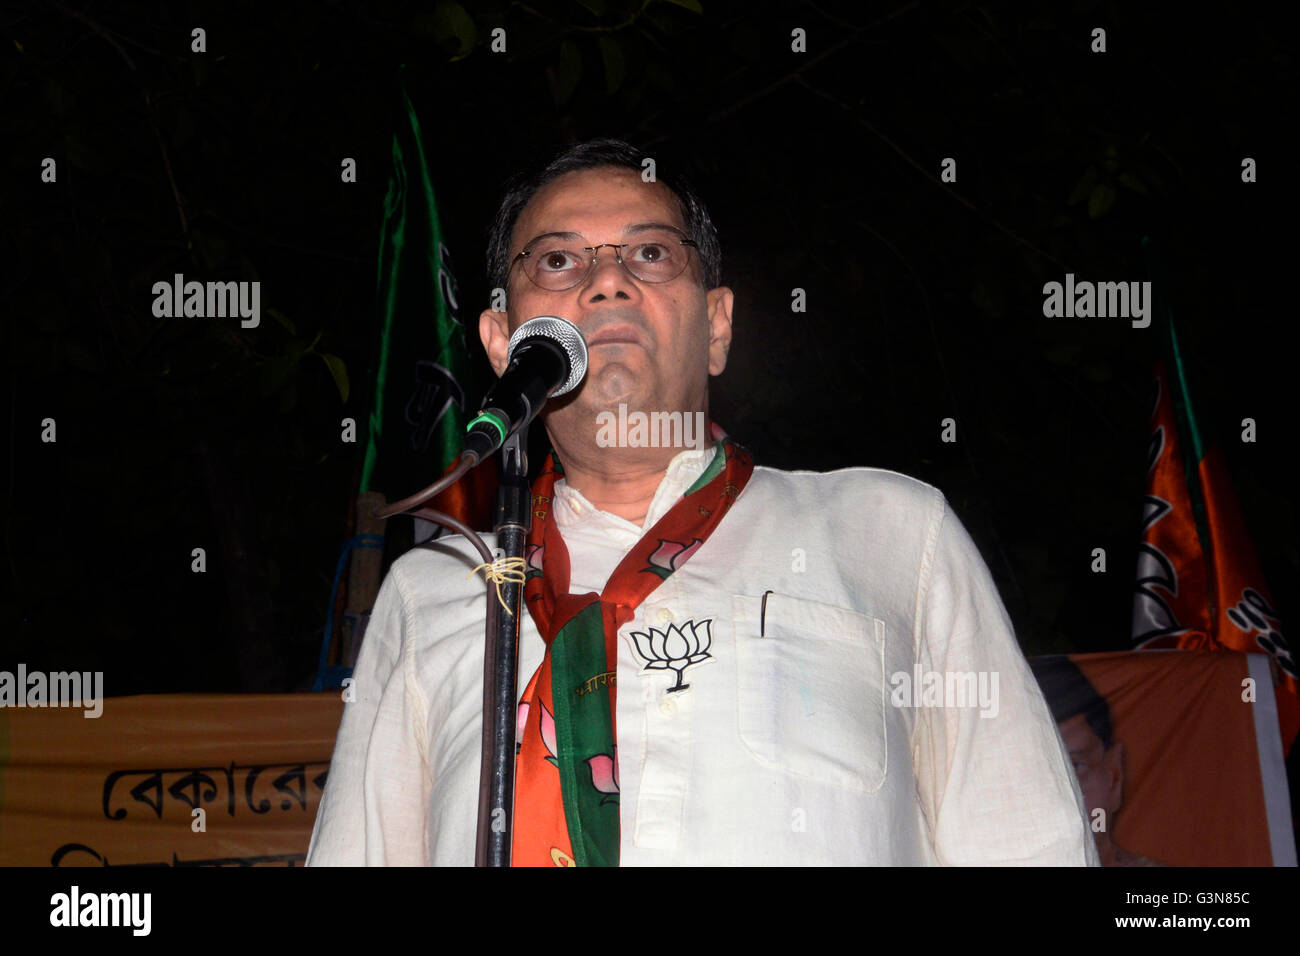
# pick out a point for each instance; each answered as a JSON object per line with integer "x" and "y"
{"x": 417, "y": 418}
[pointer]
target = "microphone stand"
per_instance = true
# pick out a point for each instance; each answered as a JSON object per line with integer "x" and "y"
{"x": 524, "y": 388}
{"x": 501, "y": 663}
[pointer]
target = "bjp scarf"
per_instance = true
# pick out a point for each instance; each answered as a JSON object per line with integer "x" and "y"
{"x": 566, "y": 767}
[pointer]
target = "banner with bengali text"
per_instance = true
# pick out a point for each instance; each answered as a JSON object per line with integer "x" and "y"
{"x": 124, "y": 788}
{"x": 1178, "y": 750}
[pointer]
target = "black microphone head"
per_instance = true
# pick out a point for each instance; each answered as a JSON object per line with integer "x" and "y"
{"x": 566, "y": 335}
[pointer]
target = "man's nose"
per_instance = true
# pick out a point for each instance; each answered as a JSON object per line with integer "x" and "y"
{"x": 608, "y": 277}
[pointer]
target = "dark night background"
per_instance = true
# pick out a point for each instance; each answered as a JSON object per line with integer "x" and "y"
{"x": 821, "y": 171}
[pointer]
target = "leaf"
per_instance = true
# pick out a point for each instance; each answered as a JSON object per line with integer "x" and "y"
{"x": 1111, "y": 162}
{"x": 1083, "y": 187}
{"x": 282, "y": 319}
{"x": 211, "y": 250}
{"x": 615, "y": 68}
{"x": 691, "y": 5}
{"x": 451, "y": 22}
{"x": 566, "y": 80}
{"x": 1100, "y": 200}
{"x": 1133, "y": 183}
{"x": 339, "y": 371}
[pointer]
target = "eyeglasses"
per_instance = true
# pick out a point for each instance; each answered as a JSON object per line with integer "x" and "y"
{"x": 555, "y": 266}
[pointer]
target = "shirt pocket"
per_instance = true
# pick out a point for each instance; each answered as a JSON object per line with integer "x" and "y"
{"x": 811, "y": 690}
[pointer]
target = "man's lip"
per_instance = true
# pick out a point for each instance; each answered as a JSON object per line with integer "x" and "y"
{"x": 622, "y": 333}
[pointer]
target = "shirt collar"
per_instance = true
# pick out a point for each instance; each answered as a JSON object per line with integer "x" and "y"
{"x": 573, "y": 511}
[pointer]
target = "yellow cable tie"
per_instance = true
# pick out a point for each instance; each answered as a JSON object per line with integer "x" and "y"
{"x": 500, "y": 571}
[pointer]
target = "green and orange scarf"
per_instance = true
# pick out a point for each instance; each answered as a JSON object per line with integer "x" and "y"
{"x": 566, "y": 771}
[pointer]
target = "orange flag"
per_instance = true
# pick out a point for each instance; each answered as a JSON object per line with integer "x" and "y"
{"x": 1199, "y": 584}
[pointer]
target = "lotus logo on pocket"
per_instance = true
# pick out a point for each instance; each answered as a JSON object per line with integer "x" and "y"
{"x": 675, "y": 649}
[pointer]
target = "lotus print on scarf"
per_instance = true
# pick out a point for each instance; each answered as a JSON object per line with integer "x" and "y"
{"x": 604, "y": 775}
{"x": 671, "y": 555}
{"x": 535, "y": 554}
{"x": 675, "y": 649}
{"x": 547, "y": 728}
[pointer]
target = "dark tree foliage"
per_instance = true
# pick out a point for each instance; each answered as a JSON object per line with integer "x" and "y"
{"x": 822, "y": 170}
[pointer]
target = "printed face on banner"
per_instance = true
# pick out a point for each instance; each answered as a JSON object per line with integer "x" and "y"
{"x": 1100, "y": 770}
{"x": 1194, "y": 774}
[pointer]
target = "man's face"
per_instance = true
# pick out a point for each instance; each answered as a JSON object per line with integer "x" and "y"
{"x": 1100, "y": 771}
{"x": 651, "y": 346}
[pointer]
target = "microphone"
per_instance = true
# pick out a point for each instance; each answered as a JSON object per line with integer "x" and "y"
{"x": 547, "y": 357}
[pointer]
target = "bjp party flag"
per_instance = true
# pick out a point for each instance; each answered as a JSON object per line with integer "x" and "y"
{"x": 1199, "y": 583}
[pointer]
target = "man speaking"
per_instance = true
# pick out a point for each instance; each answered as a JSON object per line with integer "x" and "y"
{"x": 730, "y": 664}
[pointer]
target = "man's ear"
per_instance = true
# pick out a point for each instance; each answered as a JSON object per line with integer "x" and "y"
{"x": 720, "y": 302}
{"x": 494, "y": 331}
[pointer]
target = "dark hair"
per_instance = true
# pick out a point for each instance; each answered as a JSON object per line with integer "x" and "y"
{"x": 594, "y": 154}
{"x": 1069, "y": 693}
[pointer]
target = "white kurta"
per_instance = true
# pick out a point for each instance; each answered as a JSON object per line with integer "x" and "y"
{"x": 789, "y": 745}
